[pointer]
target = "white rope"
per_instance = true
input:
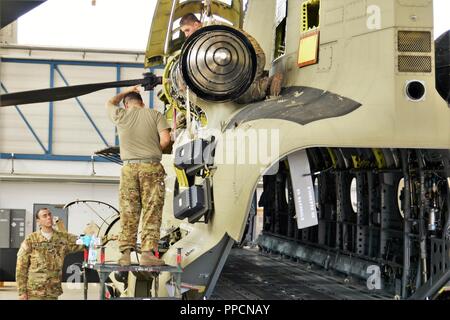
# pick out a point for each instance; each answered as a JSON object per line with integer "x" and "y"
{"x": 188, "y": 112}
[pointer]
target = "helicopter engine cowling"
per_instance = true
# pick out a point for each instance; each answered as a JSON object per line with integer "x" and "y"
{"x": 218, "y": 63}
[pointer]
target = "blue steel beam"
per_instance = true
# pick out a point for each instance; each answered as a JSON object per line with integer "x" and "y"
{"x": 26, "y": 121}
{"x": 50, "y": 111}
{"x": 83, "y": 108}
{"x": 74, "y": 63}
{"x": 8, "y": 156}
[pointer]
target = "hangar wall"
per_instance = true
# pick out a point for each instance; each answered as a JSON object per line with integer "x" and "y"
{"x": 46, "y": 149}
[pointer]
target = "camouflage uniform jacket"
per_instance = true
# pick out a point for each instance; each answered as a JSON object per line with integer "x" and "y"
{"x": 40, "y": 262}
{"x": 260, "y": 55}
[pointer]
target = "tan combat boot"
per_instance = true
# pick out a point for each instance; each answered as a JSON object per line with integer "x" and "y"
{"x": 125, "y": 259}
{"x": 148, "y": 259}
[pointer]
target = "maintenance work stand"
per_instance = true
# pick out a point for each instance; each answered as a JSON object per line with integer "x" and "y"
{"x": 105, "y": 269}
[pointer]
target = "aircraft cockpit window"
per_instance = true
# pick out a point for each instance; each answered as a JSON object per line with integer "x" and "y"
{"x": 280, "y": 30}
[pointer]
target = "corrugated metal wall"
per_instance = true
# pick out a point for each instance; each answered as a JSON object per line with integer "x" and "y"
{"x": 53, "y": 143}
{"x": 63, "y": 127}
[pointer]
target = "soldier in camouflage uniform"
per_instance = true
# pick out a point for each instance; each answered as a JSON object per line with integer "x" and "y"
{"x": 262, "y": 85}
{"x": 40, "y": 260}
{"x": 143, "y": 134}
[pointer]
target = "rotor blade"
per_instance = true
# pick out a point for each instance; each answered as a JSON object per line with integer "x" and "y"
{"x": 62, "y": 93}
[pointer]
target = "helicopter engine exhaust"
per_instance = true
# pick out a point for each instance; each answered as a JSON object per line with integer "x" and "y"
{"x": 218, "y": 63}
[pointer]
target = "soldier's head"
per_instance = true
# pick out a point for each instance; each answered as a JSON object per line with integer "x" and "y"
{"x": 189, "y": 23}
{"x": 133, "y": 99}
{"x": 44, "y": 217}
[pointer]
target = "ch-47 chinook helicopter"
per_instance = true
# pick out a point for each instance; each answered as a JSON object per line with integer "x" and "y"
{"x": 364, "y": 106}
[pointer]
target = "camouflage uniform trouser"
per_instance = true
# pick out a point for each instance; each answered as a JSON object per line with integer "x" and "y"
{"x": 256, "y": 91}
{"x": 141, "y": 188}
{"x": 42, "y": 298}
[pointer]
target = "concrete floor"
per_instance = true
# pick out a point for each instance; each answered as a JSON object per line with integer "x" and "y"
{"x": 71, "y": 291}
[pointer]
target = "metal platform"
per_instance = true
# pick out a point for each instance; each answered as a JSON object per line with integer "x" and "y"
{"x": 113, "y": 267}
{"x": 250, "y": 274}
{"x": 105, "y": 269}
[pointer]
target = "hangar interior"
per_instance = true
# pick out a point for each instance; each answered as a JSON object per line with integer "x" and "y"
{"x": 358, "y": 206}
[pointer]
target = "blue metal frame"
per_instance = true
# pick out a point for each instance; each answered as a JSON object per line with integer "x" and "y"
{"x": 53, "y": 64}
{"x": 26, "y": 121}
{"x": 50, "y": 111}
{"x": 74, "y": 63}
{"x": 88, "y": 116}
{"x": 51, "y": 157}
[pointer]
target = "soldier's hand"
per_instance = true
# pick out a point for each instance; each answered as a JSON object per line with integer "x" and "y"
{"x": 133, "y": 89}
{"x": 23, "y": 296}
{"x": 275, "y": 86}
{"x": 60, "y": 225}
{"x": 91, "y": 229}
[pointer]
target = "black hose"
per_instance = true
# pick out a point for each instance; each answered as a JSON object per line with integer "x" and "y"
{"x": 406, "y": 225}
{"x": 447, "y": 171}
{"x": 422, "y": 232}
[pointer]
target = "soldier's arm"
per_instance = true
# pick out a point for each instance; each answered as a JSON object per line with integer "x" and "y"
{"x": 119, "y": 97}
{"x": 114, "y": 111}
{"x": 164, "y": 131}
{"x": 22, "y": 266}
{"x": 164, "y": 139}
{"x": 71, "y": 244}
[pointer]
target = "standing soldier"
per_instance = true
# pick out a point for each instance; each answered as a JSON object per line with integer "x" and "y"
{"x": 40, "y": 260}
{"x": 143, "y": 134}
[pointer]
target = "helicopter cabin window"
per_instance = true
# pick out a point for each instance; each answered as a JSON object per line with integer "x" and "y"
{"x": 309, "y": 34}
{"x": 176, "y": 29}
{"x": 280, "y": 29}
